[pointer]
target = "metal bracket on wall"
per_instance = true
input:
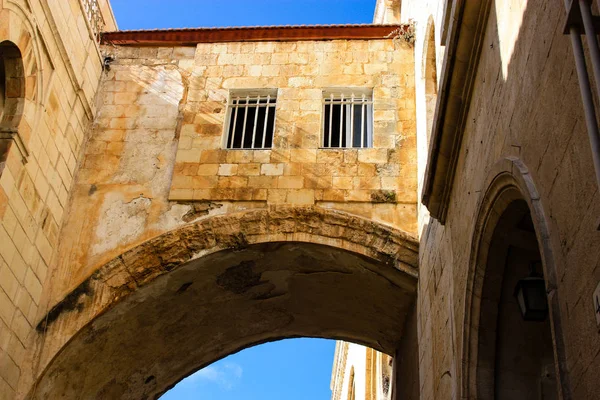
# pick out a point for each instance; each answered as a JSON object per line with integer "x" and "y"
{"x": 580, "y": 21}
{"x": 574, "y": 19}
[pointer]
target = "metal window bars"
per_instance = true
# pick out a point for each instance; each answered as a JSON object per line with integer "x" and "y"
{"x": 93, "y": 14}
{"x": 347, "y": 119}
{"x": 254, "y": 129}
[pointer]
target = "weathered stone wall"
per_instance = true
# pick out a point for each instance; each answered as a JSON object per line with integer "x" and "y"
{"x": 43, "y": 139}
{"x": 155, "y": 159}
{"x": 297, "y": 170}
{"x": 526, "y": 105}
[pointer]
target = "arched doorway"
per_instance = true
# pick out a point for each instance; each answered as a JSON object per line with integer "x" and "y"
{"x": 508, "y": 354}
{"x": 174, "y": 304}
{"x": 515, "y": 355}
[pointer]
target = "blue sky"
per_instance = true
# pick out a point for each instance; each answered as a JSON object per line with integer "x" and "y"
{"x": 294, "y": 369}
{"x": 153, "y": 14}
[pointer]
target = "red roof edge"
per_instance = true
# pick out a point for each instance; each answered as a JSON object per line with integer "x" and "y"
{"x": 190, "y": 37}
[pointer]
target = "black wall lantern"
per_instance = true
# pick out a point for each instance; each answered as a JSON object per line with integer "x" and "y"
{"x": 531, "y": 296}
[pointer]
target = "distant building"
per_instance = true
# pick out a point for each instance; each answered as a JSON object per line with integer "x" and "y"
{"x": 360, "y": 373}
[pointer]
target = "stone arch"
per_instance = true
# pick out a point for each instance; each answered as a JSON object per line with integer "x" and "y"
{"x": 21, "y": 59}
{"x": 12, "y": 85}
{"x": 510, "y": 195}
{"x": 222, "y": 284}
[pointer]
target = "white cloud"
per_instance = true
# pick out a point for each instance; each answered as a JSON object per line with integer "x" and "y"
{"x": 226, "y": 375}
{"x": 234, "y": 369}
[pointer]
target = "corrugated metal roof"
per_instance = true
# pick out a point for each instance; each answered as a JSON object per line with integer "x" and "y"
{"x": 203, "y": 28}
{"x": 191, "y": 36}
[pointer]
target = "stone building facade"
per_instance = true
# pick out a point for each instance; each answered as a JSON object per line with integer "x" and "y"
{"x": 143, "y": 236}
{"x": 51, "y": 66}
{"x": 360, "y": 373}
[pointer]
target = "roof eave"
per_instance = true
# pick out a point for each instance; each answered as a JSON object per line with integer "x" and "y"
{"x": 190, "y": 37}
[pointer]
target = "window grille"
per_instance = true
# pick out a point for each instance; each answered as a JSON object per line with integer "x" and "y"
{"x": 251, "y": 120}
{"x": 347, "y": 118}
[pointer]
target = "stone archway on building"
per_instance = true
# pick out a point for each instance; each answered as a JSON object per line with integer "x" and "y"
{"x": 505, "y": 356}
{"x": 21, "y": 85}
{"x": 185, "y": 299}
{"x": 12, "y": 95}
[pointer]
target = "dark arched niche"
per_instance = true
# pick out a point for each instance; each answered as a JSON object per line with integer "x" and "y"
{"x": 219, "y": 303}
{"x": 12, "y": 95}
{"x": 506, "y": 357}
{"x": 515, "y": 357}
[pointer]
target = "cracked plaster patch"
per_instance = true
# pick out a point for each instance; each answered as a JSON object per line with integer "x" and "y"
{"x": 120, "y": 223}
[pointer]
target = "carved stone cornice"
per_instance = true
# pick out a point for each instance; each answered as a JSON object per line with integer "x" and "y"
{"x": 467, "y": 29}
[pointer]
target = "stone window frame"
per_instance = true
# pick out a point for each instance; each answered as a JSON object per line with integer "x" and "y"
{"x": 341, "y": 95}
{"x": 269, "y": 94}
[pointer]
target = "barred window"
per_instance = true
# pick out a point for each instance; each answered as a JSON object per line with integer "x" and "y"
{"x": 348, "y": 118}
{"x": 250, "y": 119}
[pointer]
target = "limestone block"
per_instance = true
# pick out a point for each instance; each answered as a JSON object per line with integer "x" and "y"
{"x": 228, "y": 169}
{"x": 33, "y": 285}
{"x": 266, "y": 182}
{"x": 373, "y": 156}
{"x": 259, "y": 194}
{"x": 9, "y": 370}
{"x": 358, "y": 195}
{"x": 272, "y": 169}
{"x": 343, "y": 182}
{"x": 7, "y": 247}
{"x": 390, "y": 183}
{"x": 303, "y": 155}
{"x": 248, "y": 169}
{"x": 204, "y": 182}
{"x": 277, "y": 196}
{"x": 8, "y": 281}
{"x": 293, "y": 169}
{"x": 300, "y": 196}
{"x": 233, "y": 182}
{"x": 367, "y": 183}
{"x": 261, "y": 156}
{"x": 181, "y": 194}
{"x": 211, "y": 156}
{"x": 290, "y": 182}
{"x": 239, "y": 156}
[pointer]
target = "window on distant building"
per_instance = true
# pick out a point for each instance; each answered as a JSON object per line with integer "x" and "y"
{"x": 250, "y": 119}
{"x": 347, "y": 118}
{"x": 351, "y": 386}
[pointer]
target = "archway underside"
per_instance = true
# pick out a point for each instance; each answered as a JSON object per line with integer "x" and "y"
{"x": 223, "y": 302}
